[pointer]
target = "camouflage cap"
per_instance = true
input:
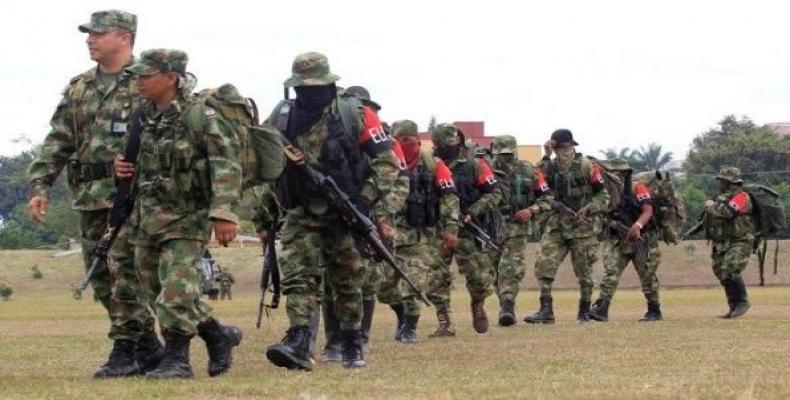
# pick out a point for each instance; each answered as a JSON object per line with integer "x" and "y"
{"x": 363, "y": 95}
{"x": 404, "y": 128}
{"x": 730, "y": 174}
{"x": 505, "y": 144}
{"x": 444, "y": 135}
{"x": 105, "y": 21}
{"x": 618, "y": 165}
{"x": 311, "y": 69}
{"x": 155, "y": 61}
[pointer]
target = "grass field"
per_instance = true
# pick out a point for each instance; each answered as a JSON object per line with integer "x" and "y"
{"x": 50, "y": 345}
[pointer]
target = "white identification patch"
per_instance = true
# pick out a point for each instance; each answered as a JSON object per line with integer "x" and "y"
{"x": 209, "y": 112}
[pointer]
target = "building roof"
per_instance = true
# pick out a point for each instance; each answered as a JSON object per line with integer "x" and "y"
{"x": 781, "y": 128}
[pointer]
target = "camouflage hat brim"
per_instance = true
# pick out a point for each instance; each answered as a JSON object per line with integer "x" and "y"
{"x": 143, "y": 69}
{"x": 505, "y": 151}
{"x": 729, "y": 179}
{"x": 89, "y": 27}
{"x": 295, "y": 81}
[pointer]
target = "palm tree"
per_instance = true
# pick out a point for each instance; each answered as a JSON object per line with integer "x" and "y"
{"x": 612, "y": 153}
{"x": 651, "y": 157}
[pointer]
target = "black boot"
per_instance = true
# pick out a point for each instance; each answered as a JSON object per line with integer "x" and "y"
{"x": 409, "y": 329}
{"x": 546, "y": 313}
{"x": 149, "y": 351}
{"x": 333, "y": 349}
{"x": 352, "y": 349}
{"x": 584, "y": 311}
{"x": 175, "y": 364}
{"x": 728, "y": 291}
{"x": 398, "y": 309}
{"x": 294, "y": 350}
{"x": 507, "y": 312}
{"x": 368, "y": 306}
{"x": 121, "y": 361}
{"x": 220, "y": 341}
{"x": 740, "y": 296}
{"x": 600, "y": 310}
{"x": 653, "y": 312}
{"x": 479, "y": 316}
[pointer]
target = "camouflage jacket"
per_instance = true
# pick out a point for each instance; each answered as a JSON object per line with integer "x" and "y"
{"x": 481, "y": 180}
{"x": 87, "y": 131}
{"x": 730, "y": 219}
{"x": 187, "y": 173}
{"x": 521, "y": 184}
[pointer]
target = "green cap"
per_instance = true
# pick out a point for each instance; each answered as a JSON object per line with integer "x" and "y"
{"x": 105, "y": 21}
{"x": 404, "y": 128}
{"x": 730, "y": 174}
{"x": 618, "y": 165}
{"x": 444, "y": 134}
{"x": 155, "y": 61}
{"x": 505, "y": 144}
{"x": 310, "y": 69}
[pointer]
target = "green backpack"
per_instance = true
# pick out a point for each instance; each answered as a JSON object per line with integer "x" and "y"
{"x": 262, "y": 157}
{"x": 769, "y": 210}
{"x": 669, "y": 208}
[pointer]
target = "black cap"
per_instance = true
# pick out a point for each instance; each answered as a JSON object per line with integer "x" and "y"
{"x": 563, "y": 136}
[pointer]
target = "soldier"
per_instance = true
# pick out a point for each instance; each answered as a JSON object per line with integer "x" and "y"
{"x": 635, "y": 211}
{"x": 476, "y": 186}
{"x": 729, "y": 225}
{"x": 187, "y": 178}
{"x": 87, "y": 132}
{"x": 520, "y": 184}
{"x": 431, "y": 213}
{"x": 578, "y": 199}
{"x": 346, "y": 141}
{"x": 225, "y": 283}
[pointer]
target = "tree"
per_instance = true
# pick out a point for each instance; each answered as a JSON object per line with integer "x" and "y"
{"x": 612, "y": 152}
{"x": 651, "y": 157}
{"x": 432, "y": 122}
{"x": 739, "y": 143}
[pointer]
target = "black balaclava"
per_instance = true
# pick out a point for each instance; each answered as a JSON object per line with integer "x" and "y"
{"x": 309, "y": 106}
{"x": 447, "y": 152}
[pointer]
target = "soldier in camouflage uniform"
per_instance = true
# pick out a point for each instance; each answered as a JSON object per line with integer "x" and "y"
{"x": 88, "y": 128}
{"x": 187, "y": 178}
{"x": 635, "y": 211}
{"x": 226, "y": 282}
{"x": 520, "y": 185}
{"x": 476, "y": 186}
{"x": 577, "y": 188}
{"x": 431, "y": 213}
{"x": 346, "y": 141}
{"x": 730, "y": 227}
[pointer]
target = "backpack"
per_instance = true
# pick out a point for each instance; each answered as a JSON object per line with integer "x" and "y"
{"x": 668, "y": 207}
{"x": 611, "y": 182}
{"x": 768, "y": 212}
{"x": 262, "y": 158}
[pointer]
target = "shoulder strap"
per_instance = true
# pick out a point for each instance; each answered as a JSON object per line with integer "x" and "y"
{"x": 348, "y": 107}
{"x": 428, "y": 161}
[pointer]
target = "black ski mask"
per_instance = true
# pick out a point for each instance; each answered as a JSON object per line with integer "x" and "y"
{"x": 447, "y": 153}
{"x": 309, "y": 106}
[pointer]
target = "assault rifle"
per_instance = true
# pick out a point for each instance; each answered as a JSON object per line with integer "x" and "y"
{"x": 694, "y": 229}
{"x": 121, "y": 208}
{"x": 563, "y": 208}
{"x": 481, "y": 235}
{"x": 270, "y": 272}
{"x": 359, "y": 223}
{"x": 642, "y": 246}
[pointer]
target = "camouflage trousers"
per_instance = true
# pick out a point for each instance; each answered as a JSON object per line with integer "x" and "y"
{"x": 115, "y": 285}
{"x": 473, "y": 263}
{"x": 417, "y": 261}
{"x": 553, "y": 249}
{"x": 310, "y": 253}
{"x": 440, "y": 280}
{"x": 170, "y": 276}
{"x": 730, "y": 259}
{"x": 372, "y": 278}
{"x": 618, "y": 253}
{"x": 225, "y": 293}
{"x": 510, "y": 265}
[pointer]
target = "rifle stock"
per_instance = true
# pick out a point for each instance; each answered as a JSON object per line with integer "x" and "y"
{"x": 481, "y": 235}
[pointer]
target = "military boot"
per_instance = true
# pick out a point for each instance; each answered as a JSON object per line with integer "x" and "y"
{"x": 352, "y": 349}
{"x": 728, "y": 291}
{"x": 333, "y": 349}
{"x": 294, "y": 350}
{"x": 175, "y": 364}
{"x": 121, "y": 361}
{"x": 368, "y": 306}
{"x": 148, "y": 351}
{"x": 600, "y": 310}
{"x": 584, "y": 311}
{"x": 398, "y": 309}
{"x": 445, "y": 328}
{"x": 220, "y": 341}
{"x": 479, "y": 317}
{"x": 545, "y": 314}
{"x": 740, "y": 296}
{"x": 653, "y": 312}
{"x": 409, "y": 329}
{"x": 507, "y": 312}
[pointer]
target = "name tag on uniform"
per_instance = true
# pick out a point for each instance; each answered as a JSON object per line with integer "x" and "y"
{"x": 118, "y": 128}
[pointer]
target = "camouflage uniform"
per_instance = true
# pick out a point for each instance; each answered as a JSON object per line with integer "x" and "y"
{"x": 729, "y": 225}
{"x": 476, "y": 186}
{"x": 519, "y": 184}
{"x": 225, "y": 285}
{"x": 87, "y": 132}
{"x": 316, "y": 241}
{"x": 578, "y": 185}
{"x": 187, "y": 175}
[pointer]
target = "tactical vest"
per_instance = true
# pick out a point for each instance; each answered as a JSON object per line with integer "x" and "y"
{"x": 629, "y": 210}
{"x": 422, "y": 205}
{"x": 340, "y": 157}
{"x": 517, "y": 194}
{"x": 571, "y": 187}
{"x": 465, "y": 185}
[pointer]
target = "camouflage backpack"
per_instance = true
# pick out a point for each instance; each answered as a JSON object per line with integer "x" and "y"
{"x": 769, "y": 210}
{"x": 669, "y": 208}
{"x": 262, "y": 157}
{"x": 611, "y": 182}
